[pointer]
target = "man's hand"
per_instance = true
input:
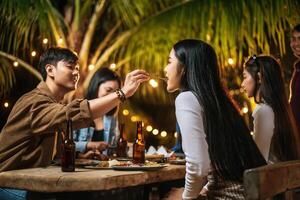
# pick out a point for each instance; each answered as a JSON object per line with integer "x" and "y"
{"x": 133, "y": 81}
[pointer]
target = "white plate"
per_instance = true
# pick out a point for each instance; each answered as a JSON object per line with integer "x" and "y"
{"x": 139, "y": 168}
{"x": 96, "y": 167}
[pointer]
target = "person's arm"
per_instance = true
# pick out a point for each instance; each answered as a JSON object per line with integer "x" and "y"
{"x": 47, "y": 116}
{"x": 101, "y": 106}
{"x": 264, "y": 129}
{"x": 189, "y": 117}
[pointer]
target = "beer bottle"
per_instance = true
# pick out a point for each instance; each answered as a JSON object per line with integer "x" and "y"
{"x": 139, "y": 145}
{"x": 68, "y": 150}
{"x": 122, "y": 143}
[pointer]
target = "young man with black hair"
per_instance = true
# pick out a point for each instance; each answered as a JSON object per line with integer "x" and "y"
{"x": 30, "y": 137}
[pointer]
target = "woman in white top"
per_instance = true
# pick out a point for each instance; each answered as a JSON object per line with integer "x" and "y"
{"x": 215, "y": 139}
{"x": 274, "y": 126}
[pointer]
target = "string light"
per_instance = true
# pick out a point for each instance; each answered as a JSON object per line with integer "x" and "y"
{"x": 155, "y": 132}
{"x": 245, "y": 110}
{"x": 175, "y": 134}
{"x": 113, "y": 66}
{"x": 134, "y": 118}
{"x": 230, "y": 61}
{"x": 33, "y": 53}
{"x": 153, "y": 83}
{"x": 45, "y": 40}
{"x": 60, "y": 41}
{"x": 125, "y": 112}
{"x": 16, "y": 64}
{"x": 91, "y": 67}
{"x": 163, "y": 134}
{"x": 6, "y": 104}
{"x": 149, "y": 128}
{"x": 208, "y": 38}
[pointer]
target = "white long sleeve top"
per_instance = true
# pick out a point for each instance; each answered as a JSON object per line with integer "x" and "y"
{"x": 263, "y": 116}
{"x": 189, "y": 117}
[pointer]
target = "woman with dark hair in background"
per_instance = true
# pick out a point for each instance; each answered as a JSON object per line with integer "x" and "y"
{"x": 88, "y": 140}
{"x": 215, "y": 139}
{"x": 275, "y": 132}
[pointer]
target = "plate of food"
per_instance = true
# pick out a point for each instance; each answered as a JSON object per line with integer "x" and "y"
{"x": 84, "y": 162}
{"x": 148, "y": 166}
{"x": 103, "y": 165}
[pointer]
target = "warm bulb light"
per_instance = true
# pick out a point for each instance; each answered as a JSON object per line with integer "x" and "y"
{"x": 134, "y": 118}
{"x": 153, "y": 83}
{"x": 16, "y": 64}
{"x": 113, "y": 66}
{"x": 230, "y": 61}
{"x": 6, "y": 104}
{"x": 175, "y": 134}
{"x": 163, "y": 134}
{"x": 60, "y": 40}
{"x": 149, "y": 128}
{"x": 245, "y": 110}
{"x": 125, "y": 112}
{"x": 33, "y": 53}
{"x": 45, "y": 40}
{"x": 155, "y": 132}
{"x": 91, "y": 67}
{"x": 208, "y": 38}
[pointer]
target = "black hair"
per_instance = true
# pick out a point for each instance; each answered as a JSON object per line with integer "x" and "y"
{"x": 270, "y": 90}
{"x": 101, "y": 76}
{"x": 296, "y": 28}
{"x": 231, "y": 147}
{"x": 53, "y": 55}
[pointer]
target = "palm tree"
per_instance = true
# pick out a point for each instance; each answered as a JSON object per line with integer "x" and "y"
{"x": 139, "y": 33}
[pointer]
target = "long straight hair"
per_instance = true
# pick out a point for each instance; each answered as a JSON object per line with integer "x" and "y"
{"x": 230, "y": 145}
{"x": 270, "y": 90}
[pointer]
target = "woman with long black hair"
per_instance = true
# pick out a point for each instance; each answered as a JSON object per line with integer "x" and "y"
{"x": 275, "y": 131}
{"x": 215, "y": 139}
{"x": 89, "y": 141}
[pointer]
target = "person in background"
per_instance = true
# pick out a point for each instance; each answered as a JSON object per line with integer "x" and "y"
{"x": 30, "y": 136}
{"x": 216, "y": 141}
{"x": 295, "y": 81}
{"x": 104, "y": 82}
{"x": 275, "y": 132}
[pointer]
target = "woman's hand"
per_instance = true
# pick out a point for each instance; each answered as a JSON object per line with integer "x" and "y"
{"x": 204, "y": 192}
{"x": 133, "y": 81}
{"x": 96, "y": 146}
{"x": 95, "y": 155}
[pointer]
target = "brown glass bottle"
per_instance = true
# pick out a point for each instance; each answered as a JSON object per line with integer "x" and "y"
{"x": 68, "y": 150}
{"x": 122, "y": 143}
{"x": 139, "y": 145}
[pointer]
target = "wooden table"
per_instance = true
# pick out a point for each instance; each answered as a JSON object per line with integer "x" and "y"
{"x": 52, "y": 180}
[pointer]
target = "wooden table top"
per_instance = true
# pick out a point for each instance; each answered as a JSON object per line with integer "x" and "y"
{"x": 52, "y": 179}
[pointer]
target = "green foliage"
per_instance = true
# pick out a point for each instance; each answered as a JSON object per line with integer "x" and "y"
{"x": 140, "y": 33}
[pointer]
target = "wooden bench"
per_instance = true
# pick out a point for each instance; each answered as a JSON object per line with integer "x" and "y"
{"x": 265, "y": 182}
